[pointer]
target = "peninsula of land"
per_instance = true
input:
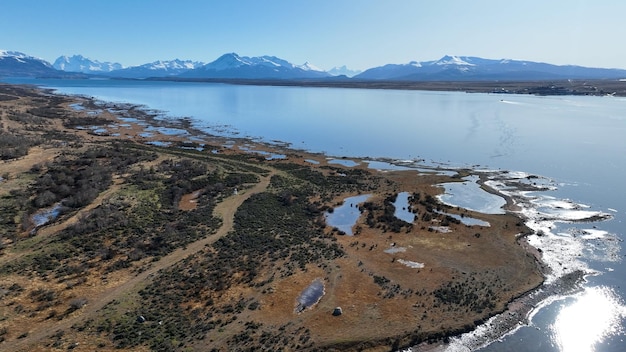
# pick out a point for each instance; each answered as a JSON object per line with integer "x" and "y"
{"x": 591, "y": 87}
{"x": 115, "y": 239}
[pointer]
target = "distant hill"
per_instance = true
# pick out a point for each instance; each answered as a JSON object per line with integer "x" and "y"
{"x": 468, "y": 68}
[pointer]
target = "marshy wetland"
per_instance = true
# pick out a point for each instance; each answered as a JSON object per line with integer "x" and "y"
{"x": 212, "y": 240}
{"x": 115, "y": 250}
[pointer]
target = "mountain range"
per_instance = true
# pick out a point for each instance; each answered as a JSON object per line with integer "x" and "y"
{"x": 79, "y": 63}
{"x": 262, "y": 67}
{"x": 233, "y": 66}
{"x": 16, "y": 64}
{"x": 468, "y": 68}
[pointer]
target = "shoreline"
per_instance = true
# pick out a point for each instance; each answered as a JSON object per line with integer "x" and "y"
{"x": 521, "y": 304}
{"x": 592, "y": 87}
{"x": 518, "y": 309}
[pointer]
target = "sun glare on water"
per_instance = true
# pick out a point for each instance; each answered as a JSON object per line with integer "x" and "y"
{"x": 594, "y": 315}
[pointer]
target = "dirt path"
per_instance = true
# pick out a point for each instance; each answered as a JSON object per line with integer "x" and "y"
{"x": 36, "y": 155}
{"x": 225, "y": 210}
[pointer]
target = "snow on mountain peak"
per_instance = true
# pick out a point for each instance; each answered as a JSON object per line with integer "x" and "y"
{"x": 21, "y": 57}
{"x": 452, "y": 60}
{"x": 9, "y": 53}
{"x": 343, "y": 70}
{"x": 227, "y": 61}
{"x": 79, "y": 63}
{"x": 309, "y": 67}
{"x": 174, "y": 65}
{"x": 16, "y": 55}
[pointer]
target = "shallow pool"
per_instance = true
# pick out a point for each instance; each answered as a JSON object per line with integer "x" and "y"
{"x": 345, "y": 216}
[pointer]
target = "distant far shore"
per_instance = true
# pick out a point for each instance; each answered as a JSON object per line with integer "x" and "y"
{"x": 596, "y": 87}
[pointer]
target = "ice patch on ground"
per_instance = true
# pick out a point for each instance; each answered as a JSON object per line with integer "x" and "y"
{"x": 393, "y": 250}
{"x": 411, "y": 264}
{"x": 440, "y": 229}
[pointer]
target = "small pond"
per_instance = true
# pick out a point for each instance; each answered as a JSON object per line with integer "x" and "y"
{"x": 310, "y": 295}
{"x": 168, "y": 131}
{"x": 44, "y": 216}
{"x": 402, "y": 208}
{"x": 345, "y": 216}
{"x": 344, "y": 162}
{"x": 382, "y": 165}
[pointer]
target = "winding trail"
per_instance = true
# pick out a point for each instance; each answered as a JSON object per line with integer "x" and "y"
{"x": 225, "y": 210}
{"x": 50, "y": 230}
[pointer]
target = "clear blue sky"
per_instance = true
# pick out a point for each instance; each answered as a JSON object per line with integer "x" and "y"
{"x": 327, "y": 33}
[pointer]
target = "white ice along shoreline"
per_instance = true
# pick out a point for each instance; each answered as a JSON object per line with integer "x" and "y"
{"x": 470, "y": 196}
{"x": 563, "y": 251}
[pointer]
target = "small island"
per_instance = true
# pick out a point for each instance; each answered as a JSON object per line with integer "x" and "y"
{"x": 120, "y": 231}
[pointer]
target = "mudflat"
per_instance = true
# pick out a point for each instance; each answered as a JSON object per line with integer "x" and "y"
{"x": 167, "y": 242}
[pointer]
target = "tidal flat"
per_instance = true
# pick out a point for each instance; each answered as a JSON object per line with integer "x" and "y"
{"x": 187, "y": 241}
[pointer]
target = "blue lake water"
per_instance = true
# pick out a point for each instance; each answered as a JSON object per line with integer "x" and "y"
{"x": 577, "y": 142}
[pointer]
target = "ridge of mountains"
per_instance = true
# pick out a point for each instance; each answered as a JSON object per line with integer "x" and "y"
{"x": 233, "y": 66}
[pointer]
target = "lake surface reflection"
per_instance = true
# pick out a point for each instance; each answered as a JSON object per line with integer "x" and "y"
{"x": 602, "y": 313}
{"x": 577, "y": 142}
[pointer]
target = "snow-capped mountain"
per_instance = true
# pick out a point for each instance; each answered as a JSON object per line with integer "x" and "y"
{"x": 343, "y": 71}
{"x": 79, "y": 63}
{"x": 468, "y": 68}
{"x": 159, "y": 68}
{"x": 16, "y": 64}
{"x": 260, "y": 67}
{"x": 309, "y": 67}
